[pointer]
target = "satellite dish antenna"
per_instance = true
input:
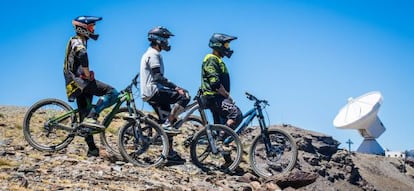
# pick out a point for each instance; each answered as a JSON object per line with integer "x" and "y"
{"x": 361, "y": 114}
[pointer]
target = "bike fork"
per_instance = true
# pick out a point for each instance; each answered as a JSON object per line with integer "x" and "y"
{"x": 137, "y": 131}
{"x": 266, "y": 141}
{"x": 211, "y": 140}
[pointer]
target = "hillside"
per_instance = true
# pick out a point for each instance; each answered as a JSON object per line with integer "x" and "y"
{"x": 321, "y": 166}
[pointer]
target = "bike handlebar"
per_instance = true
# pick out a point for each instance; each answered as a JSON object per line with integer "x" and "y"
{"x": 254, "y": 98}
{"x": 134, "y": 82}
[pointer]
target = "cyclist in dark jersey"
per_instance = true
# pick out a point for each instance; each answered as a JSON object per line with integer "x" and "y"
{"x": 80, "y": 81}
{"x": 215, "y": 85}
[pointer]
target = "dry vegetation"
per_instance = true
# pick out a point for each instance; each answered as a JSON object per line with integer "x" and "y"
{"x": 24, "y": 168}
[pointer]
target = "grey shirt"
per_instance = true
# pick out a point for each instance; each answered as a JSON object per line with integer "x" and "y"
{"x": 151, "y": 59}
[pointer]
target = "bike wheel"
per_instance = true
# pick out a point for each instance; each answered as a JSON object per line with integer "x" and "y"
{"x": 193, "y": 124}
{"x": 109, "y": 137}
{"x": 280, "y": 159}
{"x": 47, "y": 125}
{"x": 228, "y": 146}
{"x": 188, "y": 129}
{"x": 143, "y": 144}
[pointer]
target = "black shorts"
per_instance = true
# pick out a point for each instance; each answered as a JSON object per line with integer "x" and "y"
{"x": 92, "y": 88}
{"x": 162, "y": 100}
{"x": 97, "y": 88}
{"x": 224, "y": 109}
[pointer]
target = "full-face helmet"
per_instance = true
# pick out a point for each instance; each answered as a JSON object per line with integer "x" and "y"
{"x": 85, "y": 25}
{"x": 221, "y": 43}
{"x": 159, "y": 35}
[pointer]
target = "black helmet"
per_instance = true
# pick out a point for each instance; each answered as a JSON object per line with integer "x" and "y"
{"x": 160, "y": 35}
{"x": 85, "y": 25}
{"x": 218, "y": 41}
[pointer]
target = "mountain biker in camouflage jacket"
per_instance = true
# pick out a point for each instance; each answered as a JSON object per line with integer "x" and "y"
{"x": 215, "y": 85}
{"x": 80, "y": 81}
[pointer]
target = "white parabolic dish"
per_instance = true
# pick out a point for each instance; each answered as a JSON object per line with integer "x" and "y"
{"x": 359, "y": 112}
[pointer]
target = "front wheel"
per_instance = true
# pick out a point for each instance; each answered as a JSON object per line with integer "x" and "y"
{"x": 228, "y": 152}
{"x": 48, "y": 124}
{"x": 280, "y": 158}
{"x": 143, "y": 143}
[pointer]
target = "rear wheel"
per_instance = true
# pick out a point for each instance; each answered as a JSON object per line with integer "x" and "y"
{"x": 109, "y": 137}
{"x": 280, "y": 159}
{"x": 229, "y": 149}
{"x": 143, "y": 144}
{"x": 47, "y": 125}
{"x": 188, "y": 129}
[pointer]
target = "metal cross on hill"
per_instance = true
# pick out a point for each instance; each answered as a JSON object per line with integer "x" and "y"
{"x": 349, "y": 142}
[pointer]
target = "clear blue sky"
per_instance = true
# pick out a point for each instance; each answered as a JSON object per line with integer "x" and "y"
{"x": 305, "y": 57}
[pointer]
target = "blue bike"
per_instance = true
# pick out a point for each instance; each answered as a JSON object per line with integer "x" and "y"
{"x": 272, "y": 152}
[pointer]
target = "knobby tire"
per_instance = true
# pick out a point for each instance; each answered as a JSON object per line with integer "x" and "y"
{"x": 201, "y": 152}
{"x": 51, "y": 138}
{"x": 283, "y": 162}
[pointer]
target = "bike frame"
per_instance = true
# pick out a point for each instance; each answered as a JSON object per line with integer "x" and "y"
{"x": 189, "y": 110}
{"x": 125, "y": 96}
{"x": 256, "y": 112}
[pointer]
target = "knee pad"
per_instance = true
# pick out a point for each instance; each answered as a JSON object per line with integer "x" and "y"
{"x": 177, "y": 110}
{"x": 184, "y": 99}
{"x": 106, "y": 100}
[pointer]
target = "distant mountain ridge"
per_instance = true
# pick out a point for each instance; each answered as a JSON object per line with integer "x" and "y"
{"x": 410, "y": 153}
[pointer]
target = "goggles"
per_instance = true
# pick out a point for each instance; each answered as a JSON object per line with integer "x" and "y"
{"x": 226, "y": 45}
{"x": 91, "y": 27}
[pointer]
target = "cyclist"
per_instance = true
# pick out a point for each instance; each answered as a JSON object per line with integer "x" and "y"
{"x": 215, "y": 85}
{"x": 80, "y": 80}
{"x": 157, "y": 90}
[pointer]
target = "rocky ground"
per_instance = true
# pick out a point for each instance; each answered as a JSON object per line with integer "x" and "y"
{"x": 320, "y": 166}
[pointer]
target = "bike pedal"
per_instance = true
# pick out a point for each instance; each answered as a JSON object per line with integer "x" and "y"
{"x": 84, "y": 131}
{"x": 129, "y": 117}
{"x": 187, "y": 141}
{"x": 83, "y": 134}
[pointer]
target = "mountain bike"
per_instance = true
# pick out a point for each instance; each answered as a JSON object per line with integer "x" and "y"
{"x": 272, "y": 152}
{"x": 207, "y": 150}
{"x": 51, "y": 125}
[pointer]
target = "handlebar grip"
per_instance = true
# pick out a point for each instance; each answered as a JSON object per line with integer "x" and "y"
{"x": 250, "y": 96}
{"x": 135, "y": 80}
